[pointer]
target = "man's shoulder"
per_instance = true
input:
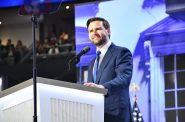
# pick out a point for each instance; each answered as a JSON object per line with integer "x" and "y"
{"x": 119, "y": 48}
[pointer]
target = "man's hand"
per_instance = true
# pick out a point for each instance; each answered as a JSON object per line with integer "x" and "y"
{"x": 90, "y": 84}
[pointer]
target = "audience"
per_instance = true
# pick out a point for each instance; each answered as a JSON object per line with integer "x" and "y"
{"x": 20, "y": 51}
{"x": 10, "y": 54}
{"x": 64, "y": 38}
{"x": 2, "y": 52}
{"x": 40, "y": 48}
{"x": 9, "y": 47}
{"x": 54, "y": 50}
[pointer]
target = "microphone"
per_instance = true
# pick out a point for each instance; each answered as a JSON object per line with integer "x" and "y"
{"x": 76, "y": 59}
{"x": 83, "y": 51}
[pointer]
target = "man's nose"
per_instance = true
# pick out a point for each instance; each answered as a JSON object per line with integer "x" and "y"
{"x": 94, "y": 32}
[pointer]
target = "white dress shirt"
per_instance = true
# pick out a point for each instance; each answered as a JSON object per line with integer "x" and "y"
{"x": 103, "y": 51}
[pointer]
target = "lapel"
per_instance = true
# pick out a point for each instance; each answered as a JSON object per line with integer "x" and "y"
{"x": 91, "y": 71}
{"x": 104, "y": 62}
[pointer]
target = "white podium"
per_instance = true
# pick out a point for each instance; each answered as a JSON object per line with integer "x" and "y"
{"x": 57, "y": 101}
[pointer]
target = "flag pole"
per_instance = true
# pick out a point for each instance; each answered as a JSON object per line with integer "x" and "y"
{"x": 35, "y": 8}
{"x": 34, "y": 26}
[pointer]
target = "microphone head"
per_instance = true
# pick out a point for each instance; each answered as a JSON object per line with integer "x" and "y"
{"x": 86, "y": 49}
{"x": 76, "y": 59}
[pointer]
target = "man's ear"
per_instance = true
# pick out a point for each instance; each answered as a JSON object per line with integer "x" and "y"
{"x": 108, "y": 31}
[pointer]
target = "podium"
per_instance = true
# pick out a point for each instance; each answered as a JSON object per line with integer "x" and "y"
{"x": 57, "y": 101}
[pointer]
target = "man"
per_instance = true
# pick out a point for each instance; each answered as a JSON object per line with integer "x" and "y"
{"x": 114, "y": 72}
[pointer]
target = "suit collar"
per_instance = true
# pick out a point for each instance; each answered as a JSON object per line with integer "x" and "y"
{"x": 105, "y": 61}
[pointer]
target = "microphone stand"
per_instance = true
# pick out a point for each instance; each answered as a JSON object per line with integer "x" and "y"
{"x": 34, "y": 20}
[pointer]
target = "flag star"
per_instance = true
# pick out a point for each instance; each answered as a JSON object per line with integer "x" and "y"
{"x": 135, "y": 114}
{"x": 135, "y": 109}
{"x": 139, "y": 119}
{"x": 135, "y": 119}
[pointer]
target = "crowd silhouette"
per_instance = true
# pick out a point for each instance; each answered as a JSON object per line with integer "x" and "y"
{"x": 12, "y": 54}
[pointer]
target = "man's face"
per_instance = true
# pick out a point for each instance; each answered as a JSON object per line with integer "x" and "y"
{"x": 97, "y": 33}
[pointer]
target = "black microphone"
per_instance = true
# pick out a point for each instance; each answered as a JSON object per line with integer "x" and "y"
{"x": 76, "y": 59}
{"x": 83, "y": 51}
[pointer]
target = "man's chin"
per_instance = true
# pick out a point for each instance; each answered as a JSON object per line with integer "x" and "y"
{"x": 95, "y": 42}
{"x": 98, "y": 44}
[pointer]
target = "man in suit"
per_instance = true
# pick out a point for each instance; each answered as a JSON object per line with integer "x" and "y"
{"x": 114, "y": 71}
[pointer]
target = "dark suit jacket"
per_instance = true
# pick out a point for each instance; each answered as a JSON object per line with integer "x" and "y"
{"x": 115, "y": 74}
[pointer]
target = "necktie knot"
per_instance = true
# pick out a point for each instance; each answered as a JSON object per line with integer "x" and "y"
{"x": 98, "y": 53}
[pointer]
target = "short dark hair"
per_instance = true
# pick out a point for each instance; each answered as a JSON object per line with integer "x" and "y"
{"x": 105, "y": 22}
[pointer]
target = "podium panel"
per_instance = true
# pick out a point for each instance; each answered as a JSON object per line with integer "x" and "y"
{"x": 57, "y": 101}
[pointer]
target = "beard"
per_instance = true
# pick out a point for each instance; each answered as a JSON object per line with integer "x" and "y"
{"x": 100, "y": 42}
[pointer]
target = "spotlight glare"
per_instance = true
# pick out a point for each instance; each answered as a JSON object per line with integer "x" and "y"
{"x": 67, "y": 7}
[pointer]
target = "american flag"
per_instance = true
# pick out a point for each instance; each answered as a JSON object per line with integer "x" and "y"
{"x": 136, "y": 114}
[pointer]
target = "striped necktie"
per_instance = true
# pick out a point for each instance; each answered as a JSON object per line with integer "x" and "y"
{"x": 96, "y": 64}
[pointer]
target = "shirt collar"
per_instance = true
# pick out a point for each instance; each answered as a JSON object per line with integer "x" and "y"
{"x": 104, "y": 49}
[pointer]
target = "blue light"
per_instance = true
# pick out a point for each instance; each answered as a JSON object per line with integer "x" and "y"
{"x": 13, "y": 3}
